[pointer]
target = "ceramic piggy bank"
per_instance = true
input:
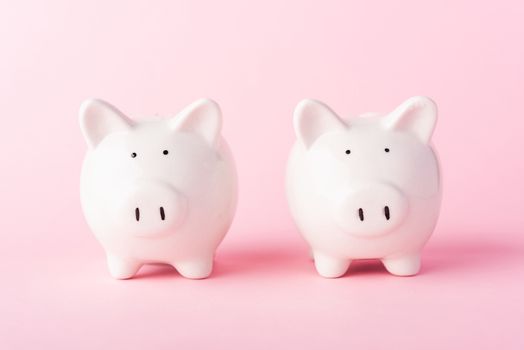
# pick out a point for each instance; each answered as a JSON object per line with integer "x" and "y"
{"x": 157, "y": 191}
{"x": 365, "y": 188}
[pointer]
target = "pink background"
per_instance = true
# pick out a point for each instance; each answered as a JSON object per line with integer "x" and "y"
{"x": 258, "y": 59}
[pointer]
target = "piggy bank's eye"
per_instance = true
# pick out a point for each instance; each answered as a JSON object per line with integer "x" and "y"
{"x": 386, "y": 150}
{"x": 133, "y": 155}
{"x": 348, "y": 151}
{"x": 165, "y": 151}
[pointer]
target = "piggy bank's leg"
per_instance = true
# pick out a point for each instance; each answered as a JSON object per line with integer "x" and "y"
{"x": 406, "y": 265}
{"x": 195, "y": 269}
{"x": 330, "y": 267}
{"x": 121, "y": 268}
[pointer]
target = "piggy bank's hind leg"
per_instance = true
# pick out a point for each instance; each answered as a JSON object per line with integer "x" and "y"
{"x": 121, "y": 268}
{"x": 405, "y": 265}
{"x": 330, "y": 267}
{"x": 195, "y": 269}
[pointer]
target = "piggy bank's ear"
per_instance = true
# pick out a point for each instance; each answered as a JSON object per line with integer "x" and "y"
{"x": 417, "y": 115}
{"x": 202, "y": 117}
{"x": 99, "y": 119}
{"x": 312, "y": 118}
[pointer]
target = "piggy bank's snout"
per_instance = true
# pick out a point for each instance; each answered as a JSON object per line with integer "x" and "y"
{"x": 151, "y": 209}
{"x": 371, "y": 210}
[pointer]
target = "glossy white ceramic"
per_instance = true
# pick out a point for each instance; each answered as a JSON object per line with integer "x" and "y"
{"x": 158, "y": 191}
{"x": 365, "y": 188}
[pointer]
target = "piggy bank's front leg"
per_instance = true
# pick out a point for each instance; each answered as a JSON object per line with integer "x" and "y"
{"x": 404, "y": 265}
{"x": 121, "y": 268}
{"x": 330, "y": 267}
{"x": 195, "y": 269}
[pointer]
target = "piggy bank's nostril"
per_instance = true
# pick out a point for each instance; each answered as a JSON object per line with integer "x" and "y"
{"x": 137, "y": 214}
{"x": 361, "y": 214}
{"x": 162, "y": 213}
{"x": 386, "y": 212}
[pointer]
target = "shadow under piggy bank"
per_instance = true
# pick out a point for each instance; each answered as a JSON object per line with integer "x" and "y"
{"x": 470, "y": 254}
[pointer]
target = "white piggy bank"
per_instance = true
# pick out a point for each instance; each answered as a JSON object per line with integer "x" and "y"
{"x": 158, "y": 191}
{"x": 366, "y": 188}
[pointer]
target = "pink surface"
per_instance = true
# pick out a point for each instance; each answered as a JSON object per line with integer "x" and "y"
{"x": 258, "y": 60}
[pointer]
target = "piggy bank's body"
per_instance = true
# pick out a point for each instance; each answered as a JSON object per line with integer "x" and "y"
{"x": 159, "y": 191}
{"x": 366, "y": 188}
